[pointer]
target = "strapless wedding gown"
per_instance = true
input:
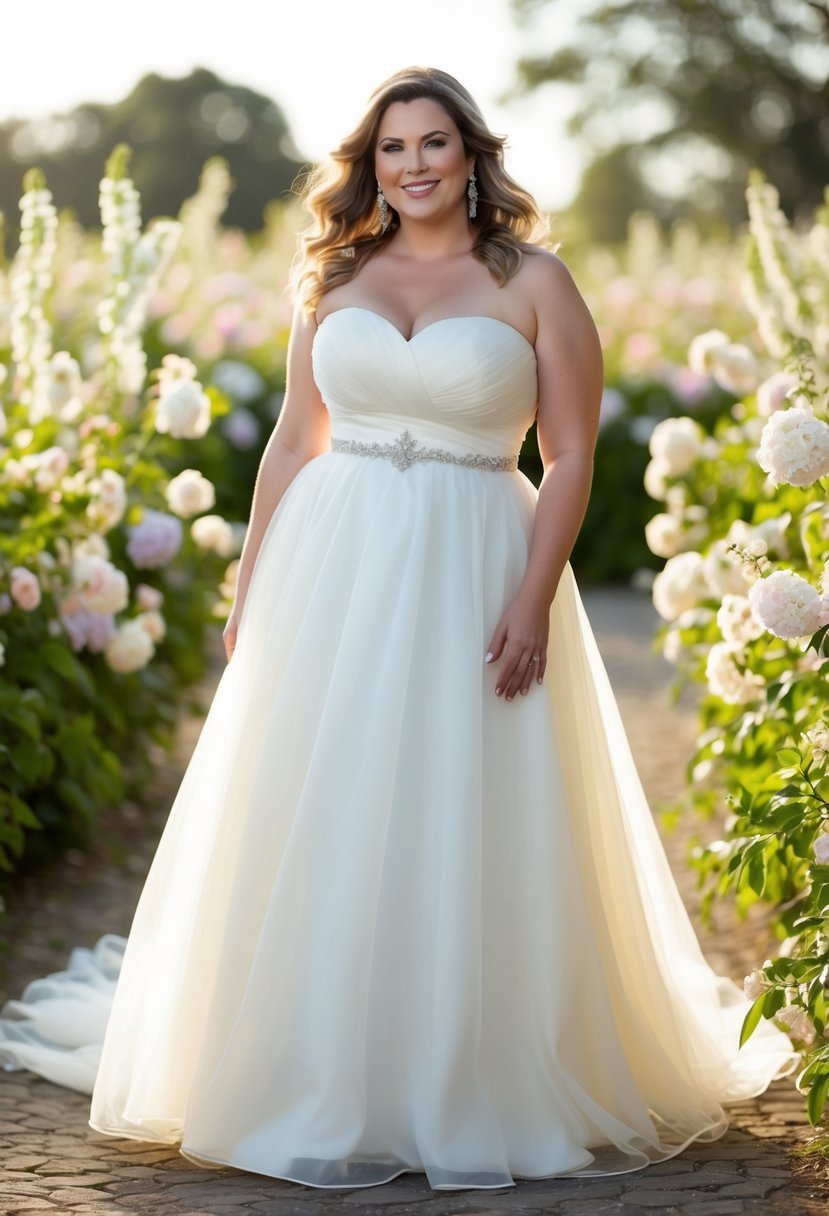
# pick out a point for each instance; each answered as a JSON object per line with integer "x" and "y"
{"x": 395, "y": 923}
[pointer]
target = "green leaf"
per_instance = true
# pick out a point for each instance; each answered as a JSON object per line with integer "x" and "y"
{"x": 816, "y": 1100}
{"x": 789, "y": 757}
{"x": 752, "y": 1019}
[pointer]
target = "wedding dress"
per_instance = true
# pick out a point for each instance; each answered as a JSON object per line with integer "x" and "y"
{"x": 395, "y": 923}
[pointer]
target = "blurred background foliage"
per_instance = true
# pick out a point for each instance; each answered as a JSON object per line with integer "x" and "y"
{"x": 679, "y": 99}
{"x": 173, "y": 127}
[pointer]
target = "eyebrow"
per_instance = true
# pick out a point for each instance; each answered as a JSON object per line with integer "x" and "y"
{"x": 428, "y": 135}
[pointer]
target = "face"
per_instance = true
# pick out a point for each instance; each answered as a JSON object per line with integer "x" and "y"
{"x": 420, "y": 161}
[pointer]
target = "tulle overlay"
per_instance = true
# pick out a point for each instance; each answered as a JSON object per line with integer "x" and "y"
{"x": 394, "y": 922}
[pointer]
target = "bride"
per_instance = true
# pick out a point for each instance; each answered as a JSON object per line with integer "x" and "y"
{"x": 409, "y": 911}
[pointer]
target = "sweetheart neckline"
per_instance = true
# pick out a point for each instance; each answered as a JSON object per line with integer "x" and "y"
{"x": 440, "y": 321}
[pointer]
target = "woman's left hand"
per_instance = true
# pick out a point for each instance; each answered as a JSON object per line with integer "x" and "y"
{"x": 520, "y": 641}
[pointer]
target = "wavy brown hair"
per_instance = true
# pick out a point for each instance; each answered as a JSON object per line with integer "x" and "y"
{"x": 341, "y": 193}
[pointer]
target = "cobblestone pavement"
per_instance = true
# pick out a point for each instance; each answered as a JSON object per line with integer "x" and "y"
{"x": 53, "y": 1162}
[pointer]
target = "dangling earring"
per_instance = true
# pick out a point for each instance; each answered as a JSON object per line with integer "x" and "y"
{"x": 384, "y": 208}
{"x": 472, "y": 195}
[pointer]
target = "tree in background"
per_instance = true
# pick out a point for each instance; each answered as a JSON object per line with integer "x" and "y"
{"x": 682, "y": 98}
{"x": 173, "y": 127}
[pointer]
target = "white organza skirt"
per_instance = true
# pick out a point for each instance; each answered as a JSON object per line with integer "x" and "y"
{"x": 394, "y": 922}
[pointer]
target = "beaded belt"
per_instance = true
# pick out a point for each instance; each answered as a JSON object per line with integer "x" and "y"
{"x": 405, "y": 451}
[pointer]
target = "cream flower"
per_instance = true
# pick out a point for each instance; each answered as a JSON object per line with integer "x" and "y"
{"x": 821, "y": 848}
{"x": 734, "y": 367}
{"x": 213, "y": 532}
{"x": 756, "y": 984}
{"x": 737, "y": 622}
{"x": 676, "y": 443}
{"x": 703, "y": 348}
{"x": 727, "y": 681}
{"x": 153, "y": 622}
{"x": 130, "y": 648}
{"x": 190, "y": 494}
{"x": 109, "y": 499}
{"x": 183, "y": 409}
{"x": 797, "y": 1022}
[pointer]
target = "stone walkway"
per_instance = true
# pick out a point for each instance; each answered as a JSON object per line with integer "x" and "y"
{"x": 53, "y": 1162}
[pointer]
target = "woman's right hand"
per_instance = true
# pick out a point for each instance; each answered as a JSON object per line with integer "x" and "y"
{"x": 229, "y": 633}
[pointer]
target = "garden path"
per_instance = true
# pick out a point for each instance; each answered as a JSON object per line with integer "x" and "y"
{"x": 53, "y": 1162}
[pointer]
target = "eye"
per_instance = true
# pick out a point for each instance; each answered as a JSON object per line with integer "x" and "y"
{"x": 390, "y": 147}
{"x": 438, "y": 143}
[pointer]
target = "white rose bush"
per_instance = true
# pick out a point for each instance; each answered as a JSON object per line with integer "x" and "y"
{"x": 744, "y": 525}
{"x": 105, "y": 591}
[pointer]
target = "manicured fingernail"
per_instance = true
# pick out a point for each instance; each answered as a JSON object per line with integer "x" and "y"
{"x": 498, "y": 691}
{"x": 524, "y": 692}
{"x": 509, "y": 698}
{"x": 489, "y": 657}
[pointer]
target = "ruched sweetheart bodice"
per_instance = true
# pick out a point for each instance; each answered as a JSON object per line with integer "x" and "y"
{"x": 469, "y": 382}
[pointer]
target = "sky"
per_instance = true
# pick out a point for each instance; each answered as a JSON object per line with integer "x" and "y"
{"x": 318, "y": 59}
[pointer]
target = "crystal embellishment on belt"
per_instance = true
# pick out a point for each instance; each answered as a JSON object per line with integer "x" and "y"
{"x": 405, "y": 451}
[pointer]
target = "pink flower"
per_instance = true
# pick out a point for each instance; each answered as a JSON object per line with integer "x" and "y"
{"x": 25, "y": 588}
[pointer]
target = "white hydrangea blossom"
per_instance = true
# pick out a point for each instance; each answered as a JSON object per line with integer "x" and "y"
{"x": 735, "y": 369}
{"x": 727, "y": 681}
{"x": 702, "y": 349}
{"x": 724, "y": 574}
{"x": 737, "y": 622}
{"x": 794, "y": 447}
{"x": 680, "y": 586}
{"x": 676, "y": 443}
{"x": 770, "y": 532}
{"x": 787, "y": 605}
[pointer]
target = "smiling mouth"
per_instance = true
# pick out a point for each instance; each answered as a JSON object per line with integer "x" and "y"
{"x": 420, "y": 187}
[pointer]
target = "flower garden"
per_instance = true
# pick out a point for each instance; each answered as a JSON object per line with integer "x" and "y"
{"x": 141, "y": 370}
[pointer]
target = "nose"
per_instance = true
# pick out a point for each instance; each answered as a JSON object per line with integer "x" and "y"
{"x": 415, "y": 160}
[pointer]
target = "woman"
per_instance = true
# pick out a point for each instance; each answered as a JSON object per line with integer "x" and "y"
{"x": 409, "y": 911}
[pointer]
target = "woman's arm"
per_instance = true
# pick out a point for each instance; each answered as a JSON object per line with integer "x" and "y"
{"x": 302, "y": 431}
{"x": 570, "y": 381}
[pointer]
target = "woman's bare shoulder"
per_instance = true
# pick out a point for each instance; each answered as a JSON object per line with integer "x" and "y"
{"x": 543, "y": 274}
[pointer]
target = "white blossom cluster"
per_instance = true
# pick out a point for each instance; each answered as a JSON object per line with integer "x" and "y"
{"x": 794, "y": 447}
{"x": 183, "y": 408}
{"x": 787, "y": 605}
{"x": 773, "y": 284}
{"x": 136, "y": 263}
{"x": 732, "y": 364}
{"x": 30, "y": 282}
